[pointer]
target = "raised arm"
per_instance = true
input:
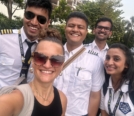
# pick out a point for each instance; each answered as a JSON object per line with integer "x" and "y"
{"x": 11, "y": 104}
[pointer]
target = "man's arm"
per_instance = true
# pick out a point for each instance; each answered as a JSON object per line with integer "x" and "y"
{"x": 94, "y": 102}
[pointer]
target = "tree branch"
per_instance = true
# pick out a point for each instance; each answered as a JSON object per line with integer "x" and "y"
{"x": 15, "y": 10}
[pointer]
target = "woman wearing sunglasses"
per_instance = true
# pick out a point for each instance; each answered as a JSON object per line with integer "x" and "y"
{"x": 39, "y": 98}
{"x": 118, "y": 90}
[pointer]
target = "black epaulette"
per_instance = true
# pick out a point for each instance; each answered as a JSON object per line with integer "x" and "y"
{"x": 92, "y": 52}
{"x": 6, "y": 31}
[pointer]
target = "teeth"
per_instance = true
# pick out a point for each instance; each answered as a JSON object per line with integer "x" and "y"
{"x": 75, "y": 35}
{"x": 33, "y": 28}
{"x": 47, "y": 72}
{"x": 109, "y": 67}
{"x": 101, "y": 34}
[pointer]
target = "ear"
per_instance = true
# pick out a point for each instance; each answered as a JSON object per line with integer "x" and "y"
{"x": 110, "y": 34}
{"x": 94, "y": 31}
{"x": 48, "y": 23}
{"x": 126, "y": 66}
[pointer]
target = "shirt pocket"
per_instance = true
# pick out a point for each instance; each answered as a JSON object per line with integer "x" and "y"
{"x": 6, "y": 65}
{"x": 82, "y": 80}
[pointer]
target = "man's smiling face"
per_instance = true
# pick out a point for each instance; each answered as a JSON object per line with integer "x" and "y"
{"x": 76, "y": 31}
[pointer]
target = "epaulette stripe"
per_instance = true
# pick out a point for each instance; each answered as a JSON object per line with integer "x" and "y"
{"x": 6, "y": 31}
{"x": 92, "y": 52}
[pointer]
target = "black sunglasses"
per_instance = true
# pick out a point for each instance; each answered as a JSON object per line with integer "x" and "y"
{"x": 30, "y": 15}
{"x": 40, "y": 59}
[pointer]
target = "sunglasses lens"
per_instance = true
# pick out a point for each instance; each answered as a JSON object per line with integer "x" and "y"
{"x": 41, "y": 19}
{"x": 29, "y": 15}
{"x": 39, "y": 59}
{"x": 57, "y": 61}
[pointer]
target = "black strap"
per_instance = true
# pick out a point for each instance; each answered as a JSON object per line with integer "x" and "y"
{"x": 117, "y": 103}
{"x": 26, "y": 59}
{"x": 131, "y": 93}
{"x": 106, "y": 83}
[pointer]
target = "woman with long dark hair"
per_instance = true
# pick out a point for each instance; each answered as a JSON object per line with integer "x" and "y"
{"x": 118, "y": 91}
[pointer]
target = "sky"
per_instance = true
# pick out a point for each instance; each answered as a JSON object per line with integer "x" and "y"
{"x": 128, "y": 6}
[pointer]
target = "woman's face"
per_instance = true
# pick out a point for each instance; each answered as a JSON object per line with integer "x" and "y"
{"x": 47, "y": 71}
{"x": 115, "y": 62}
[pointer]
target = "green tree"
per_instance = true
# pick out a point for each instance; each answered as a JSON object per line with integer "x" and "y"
{"x": 128, "y": 38}
{"x": 5, "y": 23}
{"x": 92, "y": 10}
{"x": 18, "y": 4}
{"x": 110, "y": 8}
{"x": 107, "y": 8}
{"x": 61, "y": 11}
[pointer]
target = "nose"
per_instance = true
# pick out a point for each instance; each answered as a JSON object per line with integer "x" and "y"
{"x": 75, "y": 28}
{"x": 109, "y": 61}
{"x": 103, "y": 29}
{"x": 34, "y": 21}
{"x": 47, "y": 64}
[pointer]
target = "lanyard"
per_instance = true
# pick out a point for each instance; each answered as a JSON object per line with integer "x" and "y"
{"x": 117, "y": 103}
{"x": 21, "y": 47}
{"x": 25, "y": 66}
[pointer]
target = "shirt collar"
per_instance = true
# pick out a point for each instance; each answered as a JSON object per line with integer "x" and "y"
{"x": 73, "y": 51}
{"x": 124, "y": 87}
{"x": 24, "y": 37}
{"x": 94, "y": 45}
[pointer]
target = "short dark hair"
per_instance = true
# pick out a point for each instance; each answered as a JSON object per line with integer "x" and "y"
{"x": 46, "y": 4}
{"x": 104, "y": 19}
{"x": 78, "y": 14}
{"x": 128, "y": 73}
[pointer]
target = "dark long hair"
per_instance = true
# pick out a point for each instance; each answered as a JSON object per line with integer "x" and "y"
{"x": 128, "y": 73}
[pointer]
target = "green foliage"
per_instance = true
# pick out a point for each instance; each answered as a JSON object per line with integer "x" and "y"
{"x": 89, "y": 38}
{"x": 107, "y": 8}
{"x": 5, "y": 23}
{"x": 92, "y": 10}
{"x": 128, "y": 38}
{"x": 110, "y": 8}
{"x": 61, "y": 29}
{"x": 61, "y": 12}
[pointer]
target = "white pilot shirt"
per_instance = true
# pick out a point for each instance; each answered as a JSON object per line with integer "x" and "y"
{"x": 94, "y": 48}
{"x": 83, "y": 75}
{"x": 125, "y": 107}
{"x": 10, "y": 58}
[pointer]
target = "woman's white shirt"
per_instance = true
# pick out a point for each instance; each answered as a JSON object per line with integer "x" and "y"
{"x": 125, "y": 107}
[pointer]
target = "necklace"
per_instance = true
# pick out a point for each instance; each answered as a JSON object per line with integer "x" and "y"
{"x": 44, "y": 98}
